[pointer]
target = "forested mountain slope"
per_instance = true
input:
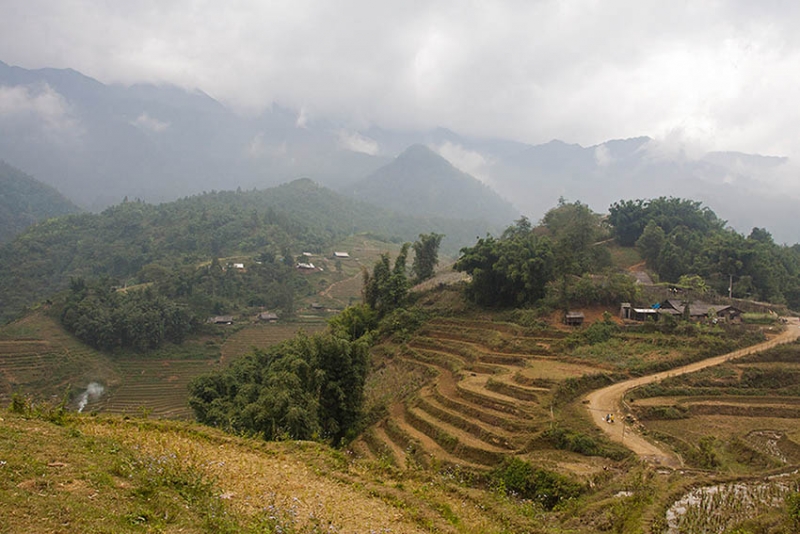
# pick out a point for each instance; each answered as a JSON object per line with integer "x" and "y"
{"x": 125, "y": 239}
{"x": 24, "y": 201}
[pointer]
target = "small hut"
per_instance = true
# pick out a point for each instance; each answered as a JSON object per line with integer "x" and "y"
{"x": 574, "y": 318}
{"x": 268, "y": 317}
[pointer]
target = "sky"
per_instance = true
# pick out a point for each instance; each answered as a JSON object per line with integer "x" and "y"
{"x": 715, "y": 75}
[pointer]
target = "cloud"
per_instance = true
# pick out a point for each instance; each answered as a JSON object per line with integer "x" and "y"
{"x": 152, "y": 124}
{"x": 677, "y": 144}
{"x": 42, "y": 102}
{"x": 602, "y": 156}
{"x": 302, "y": 118}
{"x": 356, "y": 142}
{"x": 585, "y": 72}
{"x": 257, "y": 148}
{"x": 465, "y": 160}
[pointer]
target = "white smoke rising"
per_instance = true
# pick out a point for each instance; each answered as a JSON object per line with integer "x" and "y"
{"x": 93, "y": 391}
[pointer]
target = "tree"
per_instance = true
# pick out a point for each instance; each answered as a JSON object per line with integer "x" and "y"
{"x": 309, "y": 387}
{"x": 627, "y": 219}
{"x": 426, "y": 256}
{"x": 387, "y": 287}
{"x": 650, "y": 243}
{"x": 510, "y": 271}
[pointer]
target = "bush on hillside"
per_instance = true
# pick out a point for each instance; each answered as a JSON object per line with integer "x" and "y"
{"x": 520, "y": 478}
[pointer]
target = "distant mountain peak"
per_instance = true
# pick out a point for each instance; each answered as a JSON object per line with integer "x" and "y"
{"x": 418, "y": 150}
{"x": 420, "y": 182}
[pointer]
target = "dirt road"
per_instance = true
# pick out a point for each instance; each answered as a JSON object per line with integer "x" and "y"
{"x": 609, "y": 400}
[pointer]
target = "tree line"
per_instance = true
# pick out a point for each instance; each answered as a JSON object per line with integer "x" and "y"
{"x": 553, "y": 264}
{"x": 682, "y": 238}
{"x": 561, "y": 261}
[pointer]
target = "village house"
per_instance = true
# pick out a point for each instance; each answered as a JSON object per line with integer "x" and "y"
{"x": 628, "y": 312}
{"x": 574, "y": 318}
{"x": 698, "y": 311}
{"x": 221, "y": 319}
{"x": 268, "y": 317}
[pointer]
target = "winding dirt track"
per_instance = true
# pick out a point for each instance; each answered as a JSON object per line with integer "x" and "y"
{"x": 609, "y": 400}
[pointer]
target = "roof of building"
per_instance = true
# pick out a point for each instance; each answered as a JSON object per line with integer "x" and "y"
{"x": 697, "y": 308}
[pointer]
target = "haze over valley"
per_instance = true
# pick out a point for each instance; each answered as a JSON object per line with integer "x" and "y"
{"x": 98, "y": 144}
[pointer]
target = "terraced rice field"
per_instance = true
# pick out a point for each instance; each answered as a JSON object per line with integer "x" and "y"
{"x": 260, "y": 336}
{"x": 753, "y": 402}
{"x": 36, "y": 354}
{"x": 38, "y": 357}
{"x": 159, "y": 387}
{"x": 488, "y": 395}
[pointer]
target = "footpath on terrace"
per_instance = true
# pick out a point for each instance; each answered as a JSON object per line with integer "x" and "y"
{"x": 609, "y": 400}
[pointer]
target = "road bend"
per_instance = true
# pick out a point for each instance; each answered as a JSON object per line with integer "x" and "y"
{"x": 609, "y": 400}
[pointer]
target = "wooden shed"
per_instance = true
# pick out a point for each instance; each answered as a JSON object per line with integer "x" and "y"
{"x": 574, "y": 318}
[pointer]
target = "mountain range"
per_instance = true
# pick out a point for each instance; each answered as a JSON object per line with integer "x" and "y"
{"x": 98, "y": 144}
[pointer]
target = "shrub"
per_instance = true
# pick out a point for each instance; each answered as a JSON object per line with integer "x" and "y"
{"x": 570, "y": 440}
{"x": 520, "y": 478}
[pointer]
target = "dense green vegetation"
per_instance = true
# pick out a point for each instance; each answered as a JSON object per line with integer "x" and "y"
{"x": 522, "y": 479}
{"x": 556, "y": 259}
{"x": 387, "y": 287}
{"x": 310, "y": 387}
{"x": 107, "y": 319}
{"x": 678, "y": 237}
{"x": 511, "y": 270}
{"x": 25, "y": 201}
{"x": 426, "y": 256}
{"x": 136, "y": 242}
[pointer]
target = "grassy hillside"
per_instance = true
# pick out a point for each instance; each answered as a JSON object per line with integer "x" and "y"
{"x": 432, "y": 466}
{"x": 25, "y": 201}
{"x": 110, "y": 475}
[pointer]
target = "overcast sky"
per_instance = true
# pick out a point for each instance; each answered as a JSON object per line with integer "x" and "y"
{"x": 724, "y": 75}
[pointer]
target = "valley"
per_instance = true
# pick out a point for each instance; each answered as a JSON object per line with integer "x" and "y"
{"x": 485, "y": 388}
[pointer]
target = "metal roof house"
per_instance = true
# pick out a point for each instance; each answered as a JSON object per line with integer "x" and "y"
{"x": 698, "y": 311}
{"x": 221, "y": 319}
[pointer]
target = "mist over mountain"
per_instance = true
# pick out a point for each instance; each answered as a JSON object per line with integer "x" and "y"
{"x": 422, "y": 183}
{"x": 99, "y": 143}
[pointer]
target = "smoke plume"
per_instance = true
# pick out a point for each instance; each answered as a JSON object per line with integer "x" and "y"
{"x": 93, "y": 391}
